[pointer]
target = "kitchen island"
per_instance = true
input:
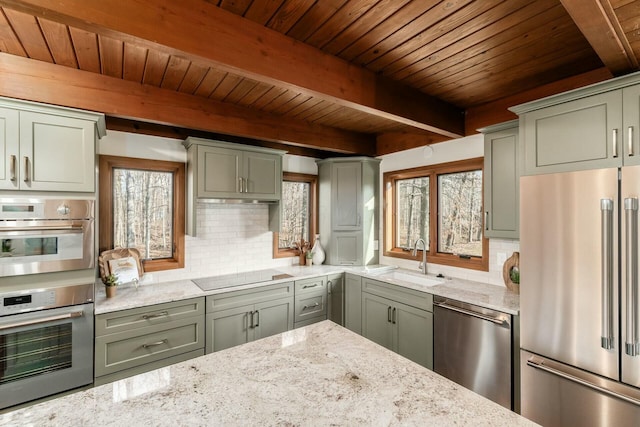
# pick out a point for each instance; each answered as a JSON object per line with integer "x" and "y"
{"x": 322, "y": 374}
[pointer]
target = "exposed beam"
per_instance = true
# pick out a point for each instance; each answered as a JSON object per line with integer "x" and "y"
{"x": 497, "y": 111}
{"x": 44, "y": 82}
{"x": 599, "y": 25}
{"x": 392, "y": 142}
{"x": 204, "y": 33}
{"x": 165, "y": 131}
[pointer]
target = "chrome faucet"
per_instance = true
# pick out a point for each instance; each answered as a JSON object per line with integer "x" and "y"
{"x": 423, "y": 265}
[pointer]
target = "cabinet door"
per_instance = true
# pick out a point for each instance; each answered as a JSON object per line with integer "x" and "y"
{"x": 501, "y": 184}
{"x": 575, "y": 135}
{"x": 353, "y": 303}
{"x": 631, "y": 128}
{"x": 335, "y": 306}
{"x": 346, "y": 192}
{"x": 376, "y": 320}
{"x": 219, "y": 172}
{"x": 413, "y": 336}
{"x": 263, "y": 175}
{"x": 347, "y": 248}
{"x": 9, "y": 149}
{"x": 56, "y": 153}
{"x": 228, "y": 328}
{"x": 273, "y": 317}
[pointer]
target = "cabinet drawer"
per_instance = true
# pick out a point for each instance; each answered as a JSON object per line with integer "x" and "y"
{"x": 313, "y": 285}
{"x": 233, "y": 299}
{"x": 308, "y": 322}
{"x": 129, "y": 349}
{"x": 308, "y": 306}
{"x": 407, "y": 296}
{"x": 158, "y": 314}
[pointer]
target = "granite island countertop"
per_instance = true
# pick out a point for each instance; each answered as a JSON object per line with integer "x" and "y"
{"x": 322, "y": 374}
{"x": 482, "y": 294}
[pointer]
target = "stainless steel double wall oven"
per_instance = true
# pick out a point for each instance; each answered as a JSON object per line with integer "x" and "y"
{"x": 47, "y": 273}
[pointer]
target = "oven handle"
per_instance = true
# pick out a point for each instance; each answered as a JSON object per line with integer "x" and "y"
{"x": 72, "y": 227}
{"x": 71, "y": 315}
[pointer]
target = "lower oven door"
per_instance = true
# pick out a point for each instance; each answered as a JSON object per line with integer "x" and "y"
{"x": 45, "y": 352}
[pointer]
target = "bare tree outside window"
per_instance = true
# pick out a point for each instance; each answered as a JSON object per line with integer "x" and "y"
{"x": 460, "y": 213}
{"x": 142, "y": 212}
{"x": 412, "y": 211}
{"x": 295, "y": 213}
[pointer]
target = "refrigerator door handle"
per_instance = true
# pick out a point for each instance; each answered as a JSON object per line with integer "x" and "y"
{"x": 606, "y": 208}
{"x": 632, "y": 342}
{"x": 538, "y": 363}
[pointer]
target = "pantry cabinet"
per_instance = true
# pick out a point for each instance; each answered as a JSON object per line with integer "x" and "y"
{"x": 221, "y": 172}
{"x": 137, "y": 340}
{"x": 590, "y": 128}
{"x": 348, "y": 202}
{"x": 399, "y": 319}
{"x": 238, "y": 317}
{"x": 501, "y": 181}
{"x": 45, "y": 148}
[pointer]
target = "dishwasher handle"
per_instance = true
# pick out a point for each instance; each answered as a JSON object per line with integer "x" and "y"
{"x": 497, "y": 320}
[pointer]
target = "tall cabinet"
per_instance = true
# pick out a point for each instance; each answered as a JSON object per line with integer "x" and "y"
{"x": 348, "y": 194}
{"x": 501, "y": 180}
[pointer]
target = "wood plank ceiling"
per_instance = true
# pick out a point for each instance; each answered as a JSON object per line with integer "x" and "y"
{"x": 427, "y": 62}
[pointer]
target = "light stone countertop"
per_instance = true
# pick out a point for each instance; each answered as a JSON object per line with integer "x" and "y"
{"x": 319, "y": 375}
{"x": 482, "y": 294}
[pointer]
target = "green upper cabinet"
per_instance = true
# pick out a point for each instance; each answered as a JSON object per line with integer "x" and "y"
{"x": 221, "y": 171}
{"x": 589, "y": 128}
{"x": 46, "y": 148}
{"x": 501, "y": 180}
{"x": 348, "y": 204}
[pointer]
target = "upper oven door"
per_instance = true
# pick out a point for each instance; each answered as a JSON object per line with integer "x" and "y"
{"x": 30, "y": 247}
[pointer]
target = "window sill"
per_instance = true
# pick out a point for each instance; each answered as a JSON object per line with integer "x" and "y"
{"x": 474, "y": 263}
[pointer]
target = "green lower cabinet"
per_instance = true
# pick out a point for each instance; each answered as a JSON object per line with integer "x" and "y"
{"x": 239, "y": 325}
{"x": 399, "y": 327}
{"x": 353, "y": 303}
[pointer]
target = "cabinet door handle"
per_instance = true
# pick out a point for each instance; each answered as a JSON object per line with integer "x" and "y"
{"x": 26, "y": 169}
{"x": 486, "y": 221}
{"x": 239, "y": 186}
{"x": 155, "y": 344}
{"x": 246, "y": 185}
{"x": 251, "y": 319}
{"x": 329, "y": 284}
{"x": 393, "y": 316}
{"x": 389, "y": 314}
{"x": 12, "y": 167}
{"x": 630, "y": 140}
{"x": 155, "y": 315}
{"x": 614, "y": 146}
{"x": 257, "y": 319}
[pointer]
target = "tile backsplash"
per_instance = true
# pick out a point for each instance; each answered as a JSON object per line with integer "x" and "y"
{"x": 231, "y": 238}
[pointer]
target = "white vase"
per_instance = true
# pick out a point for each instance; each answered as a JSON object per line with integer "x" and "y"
{"x": 318, "y": 251}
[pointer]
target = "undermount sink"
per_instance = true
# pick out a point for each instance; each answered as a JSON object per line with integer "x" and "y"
{"x": 411, "y": 278}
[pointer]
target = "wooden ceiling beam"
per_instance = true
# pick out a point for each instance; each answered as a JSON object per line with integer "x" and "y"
{"x": 598, "y": 23}
{"x": 497, "y": 111}
{"x": 208, "y": 35}
{"x": 44, "y": 82}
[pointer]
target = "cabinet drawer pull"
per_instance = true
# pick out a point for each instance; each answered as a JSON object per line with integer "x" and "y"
{"x": 310, "y": 286}
{"x": 310, "y": 306}
{"x": 155, "y": 315}
{"x": 155, "y": 344}
{"x": 12, "y": 167}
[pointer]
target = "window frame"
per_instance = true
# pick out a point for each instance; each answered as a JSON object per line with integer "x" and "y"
{"x": 312, "y": 180}
{"x": 390, "y": 216}
{"x": 106, "y": 165}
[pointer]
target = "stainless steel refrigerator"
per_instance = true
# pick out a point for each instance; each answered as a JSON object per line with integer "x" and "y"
{"x": 580, "y": 344}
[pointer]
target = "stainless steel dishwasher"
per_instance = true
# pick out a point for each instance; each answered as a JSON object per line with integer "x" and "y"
{"x": 473, "y": 347}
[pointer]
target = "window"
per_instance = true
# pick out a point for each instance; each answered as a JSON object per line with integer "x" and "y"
{"x": 142, "y": 207}
{"x": 298, "y": 215}
{"x": 441, "y": 204}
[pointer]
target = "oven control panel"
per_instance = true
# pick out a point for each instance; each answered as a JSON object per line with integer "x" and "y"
{"x": 20, "y": 302}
